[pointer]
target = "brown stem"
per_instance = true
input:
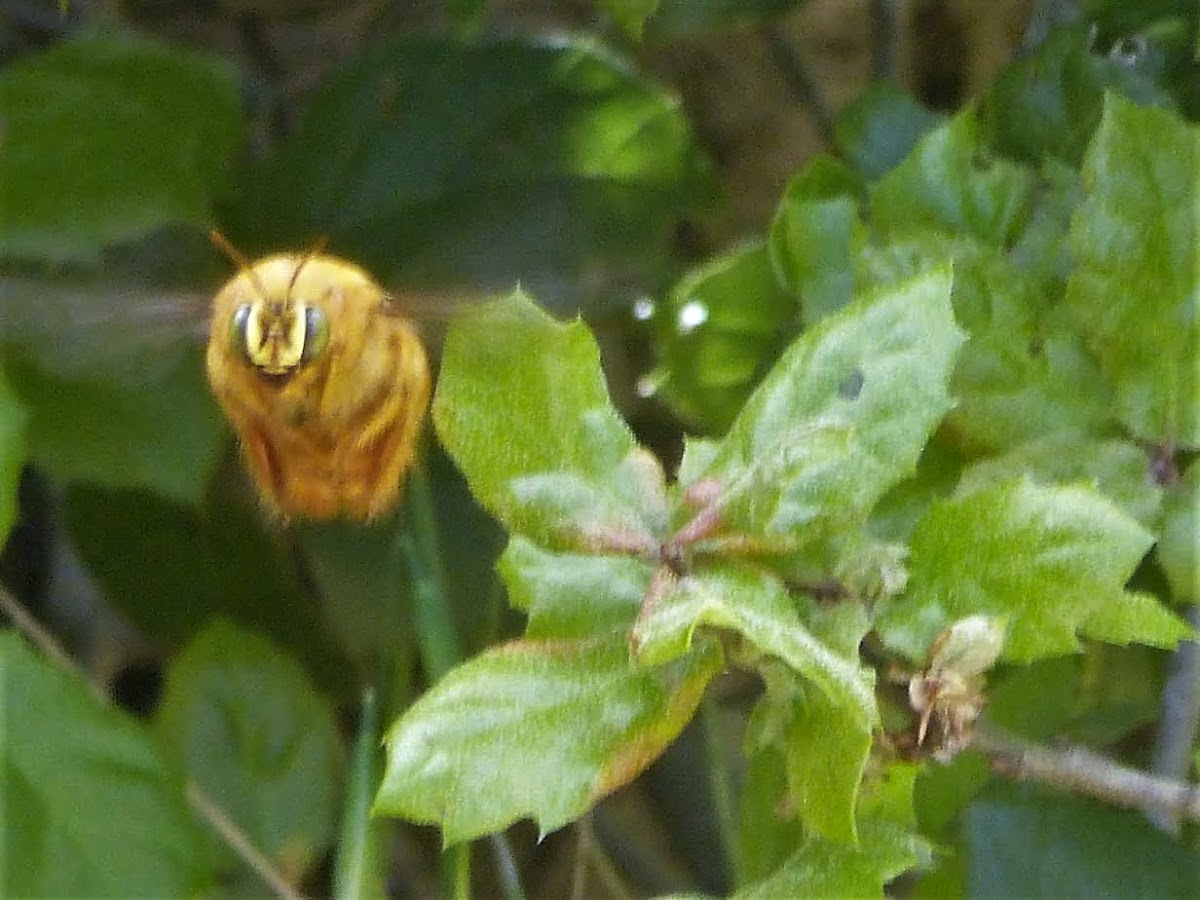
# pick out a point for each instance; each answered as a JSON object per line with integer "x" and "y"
{"x": 1086, "y": 772}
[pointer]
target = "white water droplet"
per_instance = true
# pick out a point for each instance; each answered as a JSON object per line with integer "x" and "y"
{"x": 692, "y": 315}
{"x": 643, "y": 309}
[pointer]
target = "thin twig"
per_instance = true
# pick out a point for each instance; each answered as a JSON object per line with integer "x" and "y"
{"x": 44, "y": 640}
{"x": 1179, "y": 718}
{"x": 583, "y": 850}
{"x": 883, "y": 36}
{"x": 506, "y": 865}
{"x": 1086, "y": 772}
{"x": 236, "y": 839}
{"x": 797, "y": 76}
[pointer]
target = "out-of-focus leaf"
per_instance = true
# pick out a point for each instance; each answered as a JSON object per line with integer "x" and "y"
{"x": 1049, "y": 104}
{"x": 1118, "y": 468}
{"x": 1135, "y": 290}
{"x": 252, "y": 732}
{"x": 1024, "y": 842}
{"x": 572, "y": 595}
{"x": 842, "y": 416}
{"x": 430, "y": 160}
{"x": 91, "y": 807}
{"x": 755, "y": 605}
{"x": 719, "y": 329}
{"x": 107, "y": 137}
{"x": 947, "y": 183}
{"x": 523, "y": 409}
{"x": 163, "y": 433}
{"x": 1178, "y": 547}
{"x": 1053, "y": 559}
{"x": 12, "y": 454}
{"x": 171, "y": 568}
{"x": 825, "y": 868}
{"x": 878, "y": 128}
{"x": 813, "y": 236}
{"x": 534, "y": 728}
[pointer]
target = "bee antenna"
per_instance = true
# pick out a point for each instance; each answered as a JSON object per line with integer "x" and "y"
{"x": 236, "y": 257}
{"x": 321, "y": 243}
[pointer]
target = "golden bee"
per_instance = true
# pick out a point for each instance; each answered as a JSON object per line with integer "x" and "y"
{"x": 325, "y": 382}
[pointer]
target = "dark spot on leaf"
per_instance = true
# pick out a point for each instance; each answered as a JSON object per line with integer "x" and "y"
{"x": 851, "y": 385}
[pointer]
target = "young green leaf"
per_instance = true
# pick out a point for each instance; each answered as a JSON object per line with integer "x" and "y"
{"x": 572, "y": 595}
{"x": 1054, "y": 560}
{"x": 1118, "y": 468}
{"x": 842, "y": 416}
{"x": 1136, "y": 284}
{"x": 943, "y": 184}
{"x": 1178, "y": 547}
{"x": 755, "y": 605}
{"x": 534, "y": 728}
{"x": 825, "y": 868}
{"x": 522, "y": 408}
{"x": 109, "y": 136}
{"x": 250, "y": 729}
{"x": 12, "y": 454}
{"x": 90, "y": 807}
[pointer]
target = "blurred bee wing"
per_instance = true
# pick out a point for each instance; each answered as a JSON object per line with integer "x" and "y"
{"x": 131, "y": 334}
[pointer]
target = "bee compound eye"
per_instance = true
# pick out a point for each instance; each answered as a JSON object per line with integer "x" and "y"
{"x": 316, "y": 333}
{"x": 240, "y": 328}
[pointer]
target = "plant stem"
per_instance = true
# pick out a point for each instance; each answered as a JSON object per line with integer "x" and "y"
{"x": 1179, "y": 719}
{"x": 883, "y": 36}
{"x": 44, "y": 640}
{"x": 355, "y": 873}
{"x": 437, "y": 637}
{"x": 722, "y": 785}
{"x": 798, "y": 79}
{"x": 1086, "y": 772}
{"x": 241, "y": 844}
{"x": 441, "y": 649}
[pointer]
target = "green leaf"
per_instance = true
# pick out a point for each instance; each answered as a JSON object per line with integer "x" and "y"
{"x": 631, "y": 15}
{"x": 944, "y": 184}
{"x": 572, "y": 595}
{"x": 877, "y": 129}
{"x": 109, "y": 136}
{"x": 250, "y": 729}
{"x": 12, "y": 454}
{"x": 842, "y": 416}
{"x": 718, "y": 330}
{"x": 90, "y": 806}
{"x": 813, "y": 236}
{"x": 522, "y": 408}
{"x": 825, "y": 868}
{"x": 1049, "y": 103}
{"x": 825, "y": 748}
{"x": 755, "y": 605}
{"x": 1025, "y": 842}
{"x": 1136, "y": 286}
{"x": 431, "y": 160}
{"x": 171, "y": 568}
{"x": 766, "y": 835}
{"x": 534, "y": 728}
{"x": 1178, "y": 547}
{"x": 161, "y": 431}
{"x": 1052, "y": 559}
{"x": 1118, "y": 468}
